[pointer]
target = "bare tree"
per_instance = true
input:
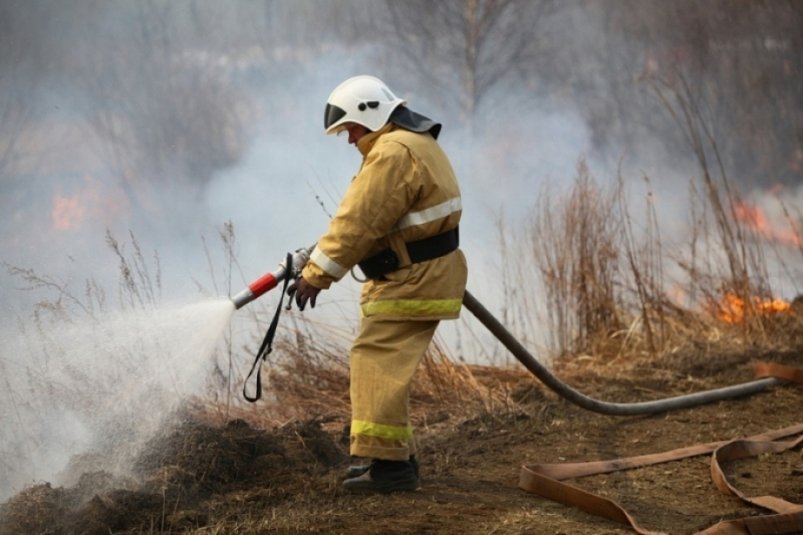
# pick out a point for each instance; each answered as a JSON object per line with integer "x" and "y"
{"x": 166, "y": 114}
{"x": 741, "y": 61}
{"x": 14, "y": 123}
{"x": 464, "y": 48}
{"x": 19, "y": 58}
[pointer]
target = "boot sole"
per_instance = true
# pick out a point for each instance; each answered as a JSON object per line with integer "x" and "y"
{"x": 367, "y": 488}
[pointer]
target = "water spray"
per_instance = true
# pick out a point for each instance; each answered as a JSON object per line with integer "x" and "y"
{"x": 270, "y": 280}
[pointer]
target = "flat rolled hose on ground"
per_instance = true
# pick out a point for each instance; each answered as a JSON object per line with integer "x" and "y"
{"x": 604, "y": 407}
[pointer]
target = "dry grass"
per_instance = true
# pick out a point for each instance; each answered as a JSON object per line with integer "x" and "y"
{"x": 575, "y": 249}
{"x": 308, "y": 379}
{"x": 603, "y": 270}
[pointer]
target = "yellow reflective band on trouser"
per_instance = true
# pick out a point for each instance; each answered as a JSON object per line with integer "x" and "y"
{"x": 383, "y": 360}
{"x": 412, "y": 307}
{"x": 371, "y": 429}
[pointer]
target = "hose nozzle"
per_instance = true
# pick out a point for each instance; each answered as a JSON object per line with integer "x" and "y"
{"x": 255, "y": 289}
{"x": 270, "y": 280}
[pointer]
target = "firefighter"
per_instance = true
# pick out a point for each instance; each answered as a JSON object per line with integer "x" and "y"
{"x": 399, "y": 222}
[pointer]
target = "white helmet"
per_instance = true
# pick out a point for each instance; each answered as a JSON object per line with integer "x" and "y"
{"x": 364, "y": 100}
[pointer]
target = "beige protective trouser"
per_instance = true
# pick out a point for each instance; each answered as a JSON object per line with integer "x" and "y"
{"x": 384, "y": 358}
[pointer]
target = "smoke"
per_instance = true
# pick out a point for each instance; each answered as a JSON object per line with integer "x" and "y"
{"x": 168, "y": 121}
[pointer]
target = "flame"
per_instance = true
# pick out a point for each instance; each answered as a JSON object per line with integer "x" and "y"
{"x": 732, "y": 307}
{"x": 92, "y": 202}
{"x": 755, "y": 219}
{"x": 67, "y": 213}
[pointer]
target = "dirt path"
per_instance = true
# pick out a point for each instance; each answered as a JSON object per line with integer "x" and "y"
{"x": 471, "y": 482}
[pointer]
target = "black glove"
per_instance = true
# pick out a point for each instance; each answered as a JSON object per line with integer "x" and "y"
{"x": 303, "y": 292}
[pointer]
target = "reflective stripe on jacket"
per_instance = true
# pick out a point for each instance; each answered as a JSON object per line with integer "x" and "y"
{"x": 404, "y": 191}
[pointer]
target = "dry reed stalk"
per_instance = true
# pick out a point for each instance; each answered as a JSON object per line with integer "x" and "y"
{"x": 574, "y": 244}
{"x": 745, "y": 275}
{"x": 604, "y": 281}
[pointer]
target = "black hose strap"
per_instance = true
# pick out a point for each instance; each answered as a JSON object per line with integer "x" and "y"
{"x": 267, "y": 343}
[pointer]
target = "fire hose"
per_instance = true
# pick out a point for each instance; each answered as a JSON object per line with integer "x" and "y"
{"x": 605, "y": 407}
{"x": 291, "y": 268}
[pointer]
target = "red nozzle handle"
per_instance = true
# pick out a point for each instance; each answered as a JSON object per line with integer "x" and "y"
{"x": 258, "y": 287}
{"x": 263, "y": 284}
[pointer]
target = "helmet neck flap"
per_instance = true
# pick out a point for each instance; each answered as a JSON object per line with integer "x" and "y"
{"x": 415, "y": 122}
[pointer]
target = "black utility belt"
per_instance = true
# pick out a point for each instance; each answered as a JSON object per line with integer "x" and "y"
{"x": 386, "y": 261}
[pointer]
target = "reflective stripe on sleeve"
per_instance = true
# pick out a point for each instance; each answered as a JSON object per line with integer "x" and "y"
{"x": 371, "y": 429}
{"x": 432, "y": 213}
{"x": 327, "y": 264}
{"x": 412, "y": 307}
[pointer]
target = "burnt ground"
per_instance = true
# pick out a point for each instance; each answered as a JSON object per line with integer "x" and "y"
{"x": 235, "y": 478}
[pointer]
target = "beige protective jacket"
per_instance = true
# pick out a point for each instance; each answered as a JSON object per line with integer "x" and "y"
{"x": 404, "y": 191}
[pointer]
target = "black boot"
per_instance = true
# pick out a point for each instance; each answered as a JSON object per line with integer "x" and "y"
{"x": 384, "y": 476}
{"x": 356, "y": 470}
